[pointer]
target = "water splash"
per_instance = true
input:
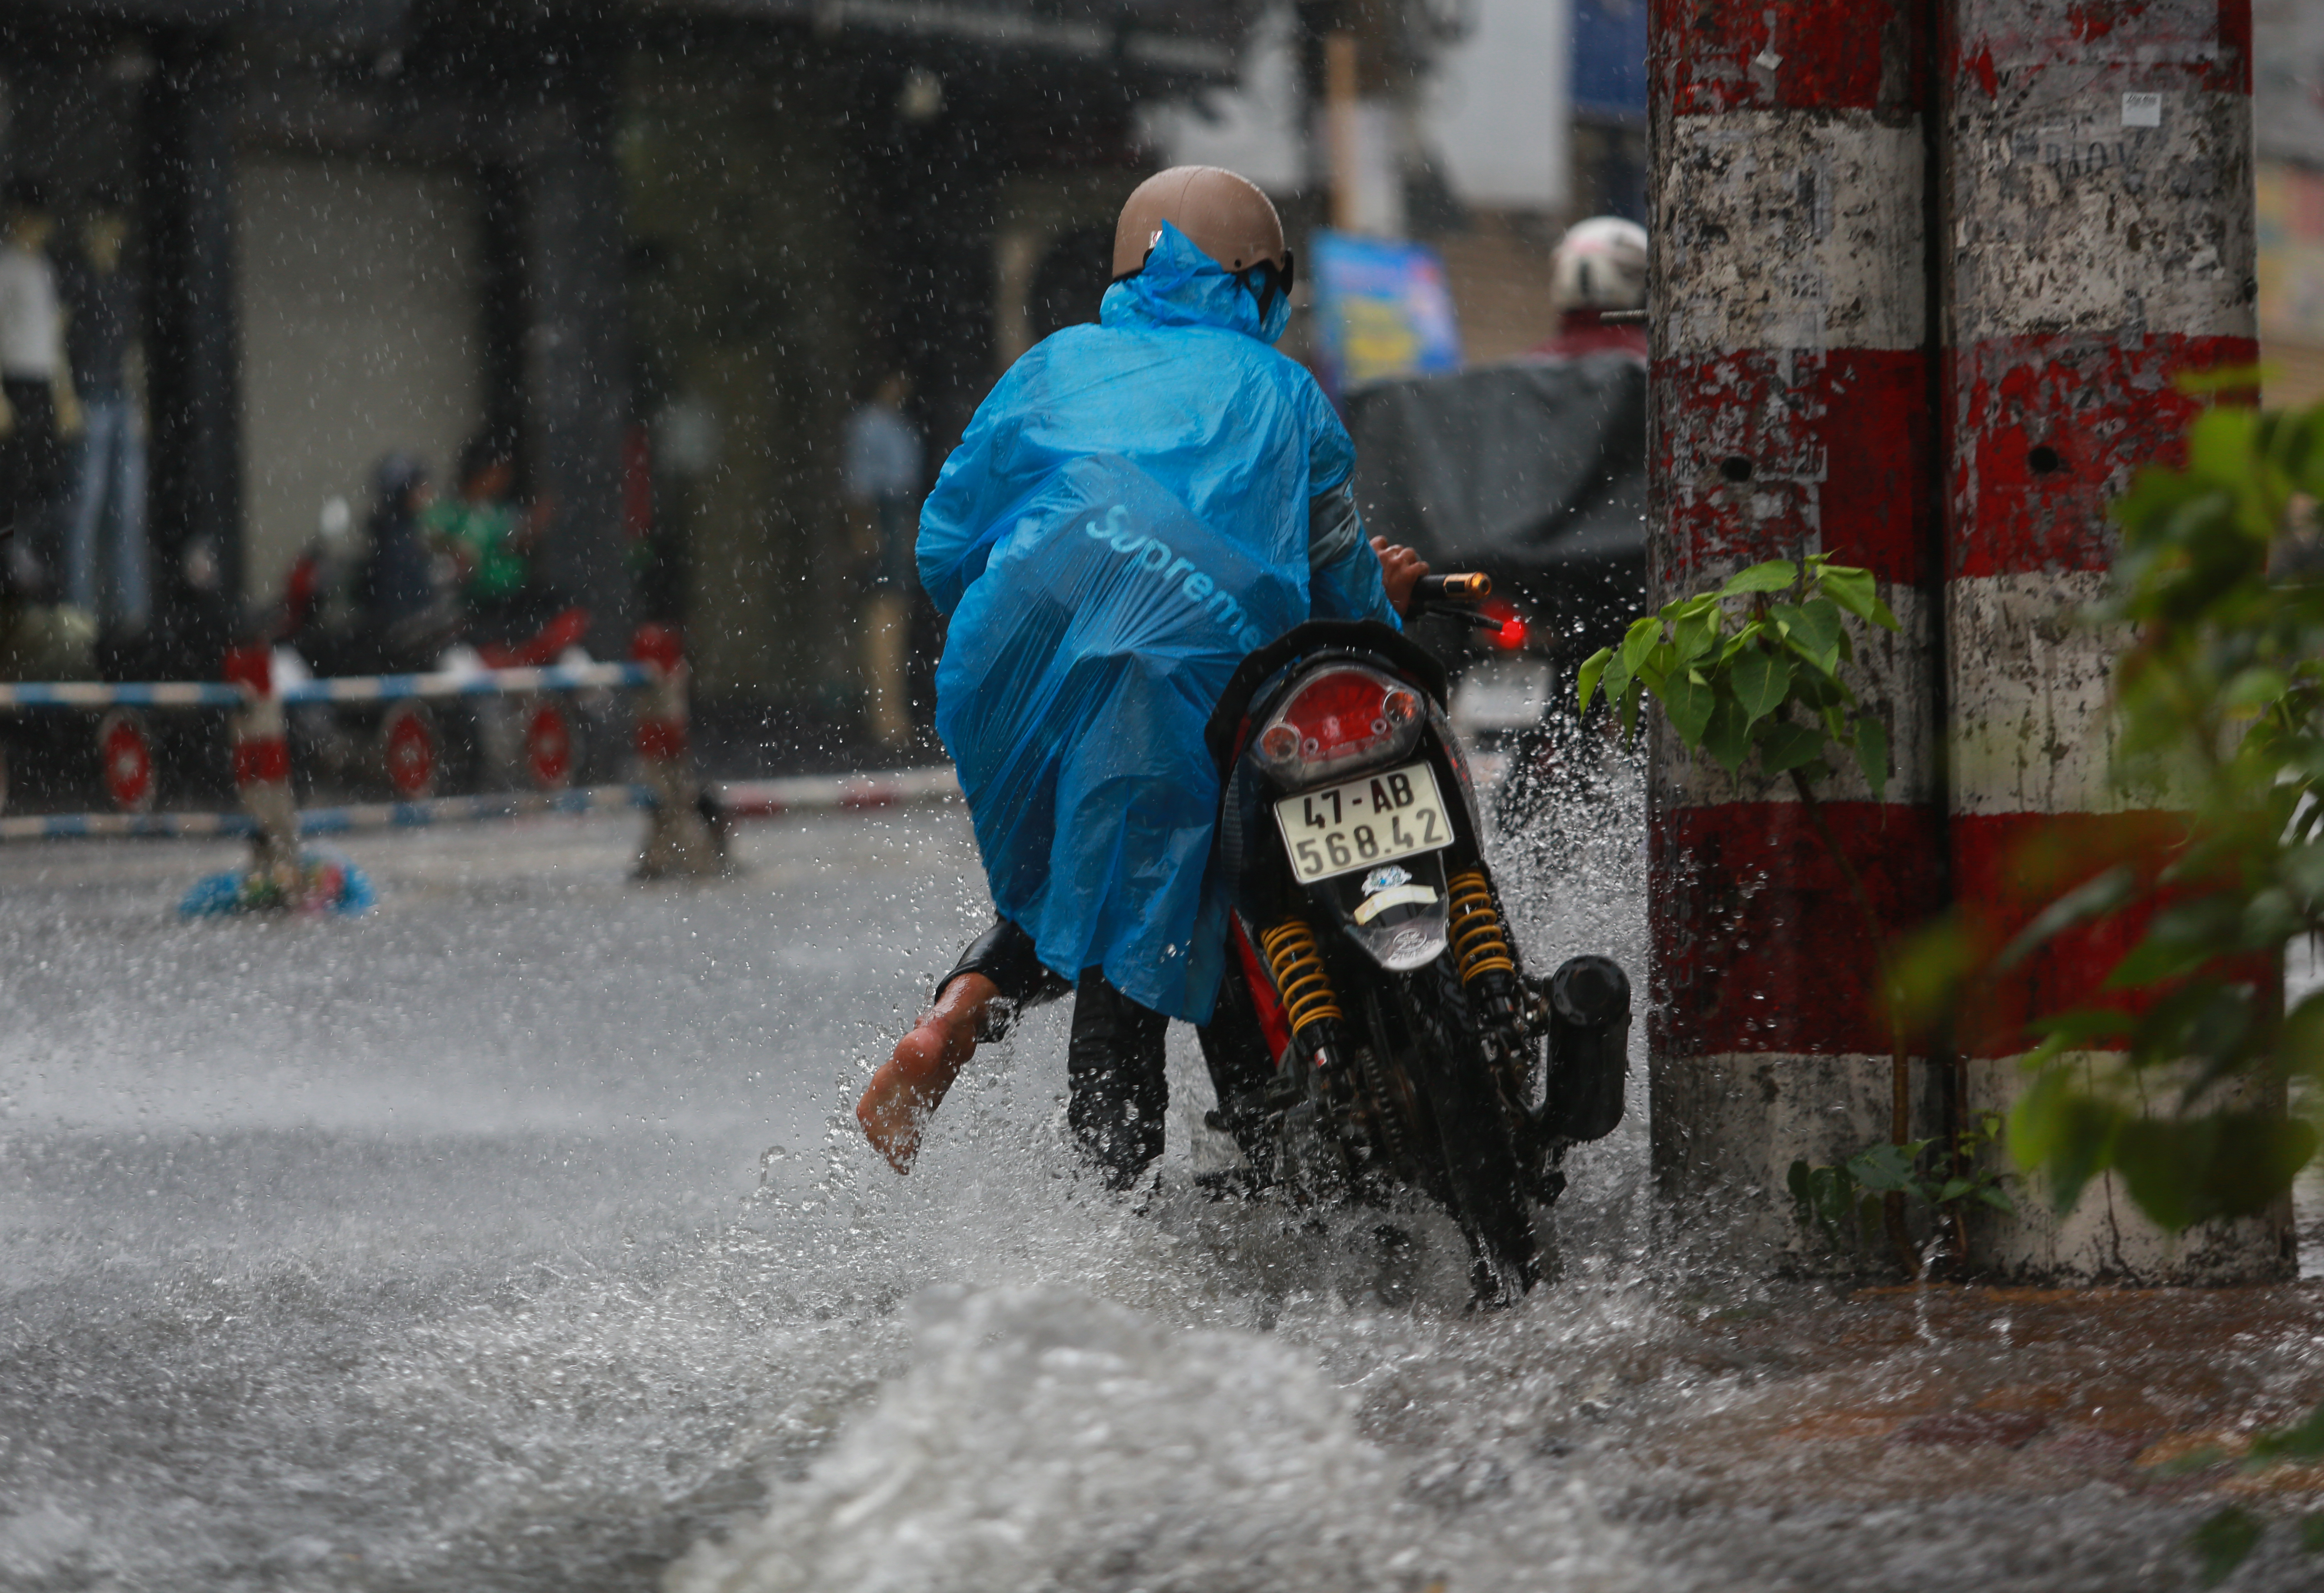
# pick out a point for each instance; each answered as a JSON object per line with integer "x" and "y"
{"x": 437, "y": 1248}
{"x": 1046, "y": 1440}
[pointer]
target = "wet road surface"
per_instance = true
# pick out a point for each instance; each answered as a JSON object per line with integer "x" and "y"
{"x": 516, "y": 1236}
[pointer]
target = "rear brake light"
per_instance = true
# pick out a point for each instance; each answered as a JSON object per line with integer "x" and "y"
{"x": 1513, "y": 632}
{"x": 1338, "y": 717}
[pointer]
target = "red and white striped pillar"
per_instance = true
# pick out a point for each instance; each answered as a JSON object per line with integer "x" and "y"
{"x": 678, "y": 839}
{"x": 262, "y": 767}
{"x": 2099, "y": 220}
{"x": 1791, "y": 413}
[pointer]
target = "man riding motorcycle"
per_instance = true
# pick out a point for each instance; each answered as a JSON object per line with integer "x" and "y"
{"x": 1599, "y": 268}
{"x": 1137, "y": 505}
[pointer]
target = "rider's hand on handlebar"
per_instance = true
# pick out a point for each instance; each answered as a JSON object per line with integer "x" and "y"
{"x": 1400, "y": 571}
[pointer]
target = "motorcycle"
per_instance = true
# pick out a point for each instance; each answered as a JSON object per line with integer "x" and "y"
{"x": 413, "y": 748}
{"x": 1378, "y": 1031}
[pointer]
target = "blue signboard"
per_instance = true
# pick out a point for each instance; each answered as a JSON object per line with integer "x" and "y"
{"x": 1382, "y": 308}
{"x": 1609, "y": 58}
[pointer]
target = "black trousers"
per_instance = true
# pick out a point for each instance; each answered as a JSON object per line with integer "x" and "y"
{"x": 1117, "y": 1088}
{"x": 31, "y": 489}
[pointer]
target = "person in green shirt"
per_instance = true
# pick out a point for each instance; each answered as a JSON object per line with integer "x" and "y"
{"x": 479, "y": 527}
{"x": 491, "y": 543}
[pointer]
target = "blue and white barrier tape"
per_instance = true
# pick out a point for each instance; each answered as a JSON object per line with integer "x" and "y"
{"x": 41, "y": 827}
{"x": 457, "y": 810}
{"x": 100, "y": 694}
{"x": 764, "y": 798}
{"x": 341, "y": 820}
{"x": 579, "y": 677}
{"x": 740, "y": 799}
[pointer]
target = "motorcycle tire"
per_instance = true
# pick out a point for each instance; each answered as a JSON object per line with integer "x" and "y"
{"x": 1481, "y": 1175}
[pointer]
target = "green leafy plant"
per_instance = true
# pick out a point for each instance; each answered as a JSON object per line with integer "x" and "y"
{"x": 2224, "y": 1541}
{"x": 2219, "y": 696}
{"x": 2220, "y": 700}
{"x": 1771, "y": 685}
{"x": 2225, "y": 1538}
{"x": 1844, "y": 1202}
{"x": 1753, "y": 670}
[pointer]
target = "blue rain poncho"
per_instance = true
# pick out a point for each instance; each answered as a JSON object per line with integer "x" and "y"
{"x": 1124, "y": 519}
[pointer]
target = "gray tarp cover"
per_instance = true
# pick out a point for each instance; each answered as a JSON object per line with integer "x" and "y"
{"x": 1520, "y": 469}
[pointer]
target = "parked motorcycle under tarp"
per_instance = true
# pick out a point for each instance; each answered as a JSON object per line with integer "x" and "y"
{"x": 1534, "y": 471}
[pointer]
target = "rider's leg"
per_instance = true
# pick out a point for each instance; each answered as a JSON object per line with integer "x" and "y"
{"x": 997, "y": 977}
{"x": 1119, "y": 1088}
{"x": 1234, "y": 1047}
{"x": 1004, "y": 956}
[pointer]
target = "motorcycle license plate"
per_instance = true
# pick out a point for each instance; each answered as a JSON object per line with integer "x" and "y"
{"x": 1339, "y": 828}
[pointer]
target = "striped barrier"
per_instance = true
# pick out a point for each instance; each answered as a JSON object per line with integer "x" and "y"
{"x": 679, "y": 841}
{"x": 262, "y": 764}
{"x": 51, "y": 827}
{"x": 459, "y": 810}
{"x": 769, "y": 799}
{"x": 737, "y": 799}
{"x": 105, "y": 694}
{"x": 680, "y": 838}
{"x": 350, "y": 819}
{"x": 448, "y": 683}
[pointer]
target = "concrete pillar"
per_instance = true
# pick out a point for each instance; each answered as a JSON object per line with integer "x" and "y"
{"x": 193, "y": 334}
{"x": 575, "y": 367}
{"x": 1792, "y": 396}
{"x": 2098, "y": 219}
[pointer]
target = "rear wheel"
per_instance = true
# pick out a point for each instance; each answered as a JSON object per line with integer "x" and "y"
{"x": 1468, "y": 1123}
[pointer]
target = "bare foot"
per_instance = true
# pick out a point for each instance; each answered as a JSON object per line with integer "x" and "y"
{"x": 906, "y": 1091}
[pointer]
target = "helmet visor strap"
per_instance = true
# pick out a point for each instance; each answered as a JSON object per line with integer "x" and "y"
{"x": 1268, "y": 279}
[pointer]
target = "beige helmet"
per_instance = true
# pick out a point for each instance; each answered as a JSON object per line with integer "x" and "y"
{"x": 1224, "y": 216}
{"x": 1600, "y": 263}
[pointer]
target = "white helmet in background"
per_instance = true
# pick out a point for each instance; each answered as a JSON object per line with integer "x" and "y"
{"x": 1600, "y": 263}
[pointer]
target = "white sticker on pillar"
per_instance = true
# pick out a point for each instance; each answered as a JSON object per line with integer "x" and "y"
{"x": 2142, "y": 110}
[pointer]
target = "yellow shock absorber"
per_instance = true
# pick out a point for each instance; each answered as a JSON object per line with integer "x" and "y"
{"x": 1480, "y": 945}
{"x": 1298, "y": 968}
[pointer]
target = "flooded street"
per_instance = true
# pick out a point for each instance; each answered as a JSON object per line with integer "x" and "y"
{"x": 518, "y": 1236}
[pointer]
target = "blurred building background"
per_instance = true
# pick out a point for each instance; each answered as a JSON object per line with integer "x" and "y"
{"x": 669, "y": 246}
{"x": 2288, "y": 115}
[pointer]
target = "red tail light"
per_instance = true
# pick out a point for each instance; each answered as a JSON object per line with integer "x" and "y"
{"x": 1339, "y": 717}
{"x": 1515, "y": 631}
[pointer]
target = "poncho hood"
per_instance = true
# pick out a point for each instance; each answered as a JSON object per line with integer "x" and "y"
{"x": 1180, "y": 286}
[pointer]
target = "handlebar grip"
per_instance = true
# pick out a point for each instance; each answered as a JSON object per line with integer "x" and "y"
{"x": 1457, "y": 588}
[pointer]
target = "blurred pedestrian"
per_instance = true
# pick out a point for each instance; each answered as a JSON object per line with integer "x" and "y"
{"x": 105, "y": 547}
{"x": 882, "y": 483}
{"x": 405, "y": 602}
{"x": 37, "y": 408}
{"x": 514, "y": 617}
{"x": 320, "y": 611}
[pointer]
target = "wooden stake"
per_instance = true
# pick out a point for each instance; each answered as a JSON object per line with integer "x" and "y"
{"x": 1340, "y": 109}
